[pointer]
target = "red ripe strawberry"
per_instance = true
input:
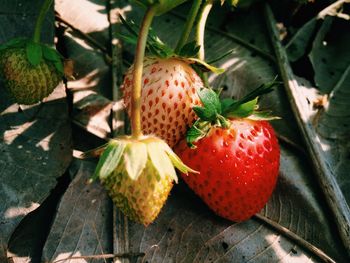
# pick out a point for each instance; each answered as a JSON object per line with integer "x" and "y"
{"x": 238, "y": 167}
{"x": 237, "y": 157}
{"x": 169, "y": 92}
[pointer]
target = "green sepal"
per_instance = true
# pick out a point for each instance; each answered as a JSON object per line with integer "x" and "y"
{"x": 263, "y": 116}
{"x": 135, "y": 158}
{"x": 156, "y": 47}
{"x": 51, "y": 54}
{"x": 161, "y": 160}
{"x": 196, "y": 132}
{"x": 34, "y": 53}
{"x": 218, "y": 113}
{"x": 109, "y": 159}
{"x": 261, "y": 90}
{"x": 94, "y": 152}
{"x": 14, "y": 43}
{"x": 211, "y": 105}
{"x": 226, "y": 103}
{"x": 154, "y": 44}
{"x": 176, "y": 161}
{"x": 59, "y": 66}
{"x": 204, "y": 66}
{"x": 244, "y": 110}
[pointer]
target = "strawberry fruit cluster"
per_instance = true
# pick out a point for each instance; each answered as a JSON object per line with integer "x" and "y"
{"x": 231, "y": 150}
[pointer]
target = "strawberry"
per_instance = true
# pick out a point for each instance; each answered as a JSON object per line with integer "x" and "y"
{"x": 30, "y": 70}
{"x": 138, "y": 175}
{"x": 169, "y": 91}
{"x": 236, "y": 154}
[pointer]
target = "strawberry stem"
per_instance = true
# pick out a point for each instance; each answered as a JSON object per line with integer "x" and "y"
{"x": 136, "y": 131}
{"x": 188, "y": 25}
{"x": 200, "y": 30}
{"x": 201, "y": 27}
{"x": 39, "y": 22}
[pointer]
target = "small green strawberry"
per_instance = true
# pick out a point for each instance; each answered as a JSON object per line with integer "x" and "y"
{"x": 138, "y": 175}
{"x": 29, "y": 70}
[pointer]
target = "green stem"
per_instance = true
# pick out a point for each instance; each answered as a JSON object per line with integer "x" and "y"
{"x": 137, "y": 75}
{"x": 39, "y": 22}
{"x": 200, "y": 29}
{"x": 189, "y": 24}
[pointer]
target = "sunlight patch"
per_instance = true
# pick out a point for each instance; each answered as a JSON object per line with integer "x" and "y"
{"x": 13, "y": 212}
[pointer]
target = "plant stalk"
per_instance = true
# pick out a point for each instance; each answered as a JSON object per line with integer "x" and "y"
{"x": 200, "y": 32}
{"x": 136, "y": 131}
{"x": 39, "y": 22}
{"x": 200, "y": 28}
{"x": 188, "y": 25}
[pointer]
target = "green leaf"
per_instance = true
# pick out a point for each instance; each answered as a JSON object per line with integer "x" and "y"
{"x": 160, "y": 160}
{"x": 109, "y": 159}
{"x": 299, "y": 43}
{"x": 191, "y": 49}
{"x": 127, "y": 38}
{"x": 34, "y": 53}
{"x": 130, "y": 26}
{"x": 135, "y": 158}
{"x": 51, "y": 53}
{"x": 244, "y": 110}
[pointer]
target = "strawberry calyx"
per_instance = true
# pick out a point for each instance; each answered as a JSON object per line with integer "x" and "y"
{"x": 130, "y": 156}
{"x": 157, "y": 48}
{"x": 216, "y": 112}
{"x": 35, "y": 52}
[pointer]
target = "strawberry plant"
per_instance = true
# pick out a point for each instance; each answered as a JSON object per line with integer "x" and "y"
{"x": 30, "y": 69}
{"x": 138, "y": 170}
{"x": 236, "y": 153}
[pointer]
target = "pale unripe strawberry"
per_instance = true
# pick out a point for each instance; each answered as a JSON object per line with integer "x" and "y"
{"x": 138, "y": 175}
{"x": 142, "y": 199}
{"x": 169, "y": 91}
